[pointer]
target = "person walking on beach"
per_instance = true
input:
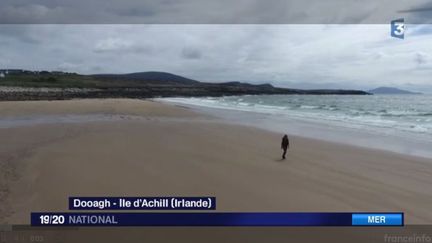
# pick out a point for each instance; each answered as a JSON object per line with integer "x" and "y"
{"x": 285, "y": 145}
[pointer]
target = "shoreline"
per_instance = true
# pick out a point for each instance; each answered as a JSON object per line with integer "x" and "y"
{"x": 176, "y": 151}
{"x": 401, "y": 143}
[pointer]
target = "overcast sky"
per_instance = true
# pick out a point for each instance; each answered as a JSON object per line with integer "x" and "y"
{"x": 302, "y": 56}
{"x": 214, "y": 12}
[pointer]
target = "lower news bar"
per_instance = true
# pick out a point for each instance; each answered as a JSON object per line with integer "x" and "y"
{"x": 217, "y": 219}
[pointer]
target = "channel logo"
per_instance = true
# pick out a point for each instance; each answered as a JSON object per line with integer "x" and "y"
{"x": 398, "y": 28}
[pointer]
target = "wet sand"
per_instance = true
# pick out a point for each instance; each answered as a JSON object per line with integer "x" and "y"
{"x": 173, "y": 151}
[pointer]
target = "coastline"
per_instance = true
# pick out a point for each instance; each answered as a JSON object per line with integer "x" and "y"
{"x": 173, "y": 150}
{"x": 401, "y": 142}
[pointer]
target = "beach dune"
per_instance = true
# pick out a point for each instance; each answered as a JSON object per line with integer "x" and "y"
{"x": 155, "y": 149}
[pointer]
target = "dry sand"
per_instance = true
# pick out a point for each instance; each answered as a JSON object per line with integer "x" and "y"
{"x": 41, "y": 166}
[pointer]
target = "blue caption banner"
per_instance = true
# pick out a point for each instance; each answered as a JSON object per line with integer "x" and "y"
{"x": 142, "y": 203}
{"x": 200, "y": 219}
{"x": 377, "y": 219}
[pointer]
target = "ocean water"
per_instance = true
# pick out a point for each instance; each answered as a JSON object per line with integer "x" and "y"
{"x": 401, "y": 123}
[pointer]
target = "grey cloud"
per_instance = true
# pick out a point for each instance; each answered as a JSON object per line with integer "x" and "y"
{"x": 4, "y": 62}
{"x": 30, "y": 13}
{"x": 340, "y": 56}
{"x": 191, "y": 53}
{"x": 211, "y": 12}
{"x": 420, "y": 30}
{"x": 420, "y": 58}
{"x": 20, "y": 33}
{"x": 118, "y": 45}
{"x": 421, "y": 9}
{"x": 96, "y": 69}
{"x": 419, "y": 13}
{"x": 135, "y": 12}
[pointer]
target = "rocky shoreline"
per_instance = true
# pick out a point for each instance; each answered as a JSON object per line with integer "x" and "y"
{"x": 44, "y": 85}
{"x": 31, "y": 93}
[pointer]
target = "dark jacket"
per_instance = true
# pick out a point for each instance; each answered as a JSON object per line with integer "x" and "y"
{"x": 285, "y": 142}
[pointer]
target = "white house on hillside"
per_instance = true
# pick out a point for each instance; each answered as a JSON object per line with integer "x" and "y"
{"x": 2, "y": 75}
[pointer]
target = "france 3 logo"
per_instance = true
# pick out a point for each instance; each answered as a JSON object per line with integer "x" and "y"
{"x": 398, "y": 28}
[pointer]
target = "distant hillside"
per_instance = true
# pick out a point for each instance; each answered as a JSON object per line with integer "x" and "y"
{"x": 45, "y": 85}
{"x": 149, "y": 78}
{"x": 390, "y": 90}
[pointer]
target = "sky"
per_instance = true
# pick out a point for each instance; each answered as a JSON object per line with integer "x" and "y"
{"x": 214, "y": 12}
{"x": 300, "y": 56}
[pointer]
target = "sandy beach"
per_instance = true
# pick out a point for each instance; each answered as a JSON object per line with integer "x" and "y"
{"x": 155, "y": 149}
